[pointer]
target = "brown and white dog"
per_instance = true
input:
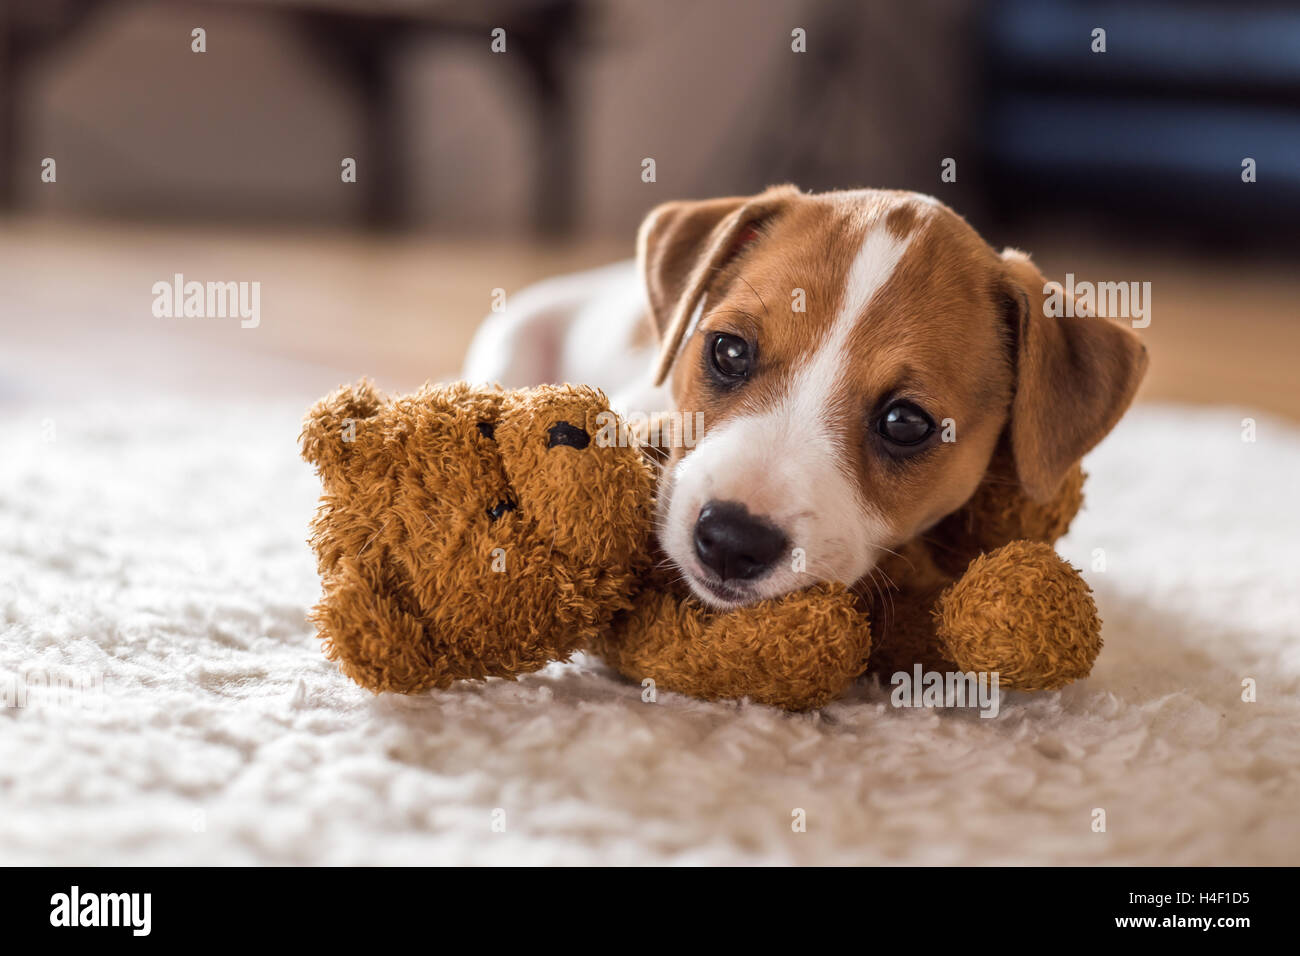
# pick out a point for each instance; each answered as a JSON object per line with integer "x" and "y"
{"x": 856, "y": 355}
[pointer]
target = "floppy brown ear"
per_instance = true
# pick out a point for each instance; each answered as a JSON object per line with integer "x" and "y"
{"x": 680, "y": 247}
{"x": 1075, "y": 377}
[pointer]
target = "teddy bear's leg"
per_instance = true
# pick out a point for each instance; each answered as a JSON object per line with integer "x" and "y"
{"x": 796, "y": 652}
{"x": 1024, "y": 613}
{"x": 377, "y": 641}
{"x": 386, "y": 638}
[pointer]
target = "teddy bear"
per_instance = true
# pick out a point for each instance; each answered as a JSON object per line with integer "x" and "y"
{"x": 472, "y": 532}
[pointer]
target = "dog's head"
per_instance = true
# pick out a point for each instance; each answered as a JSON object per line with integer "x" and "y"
{"x": 855, "y": 357}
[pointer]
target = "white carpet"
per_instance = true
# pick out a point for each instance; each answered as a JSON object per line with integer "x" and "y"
{"x": 163, "y": 548}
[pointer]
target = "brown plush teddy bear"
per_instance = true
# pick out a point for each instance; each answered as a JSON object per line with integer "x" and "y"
{"x": 470, "y": 532}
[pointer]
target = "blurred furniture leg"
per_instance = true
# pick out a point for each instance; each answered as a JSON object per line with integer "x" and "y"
{"x": 27, "y": 30}
{"x": 547, "y": 58}
{"x": 364, "y": 40}
{"x": 366, "y": 53}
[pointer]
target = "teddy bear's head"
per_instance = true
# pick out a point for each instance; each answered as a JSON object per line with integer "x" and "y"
{"x": 458, "y": 513}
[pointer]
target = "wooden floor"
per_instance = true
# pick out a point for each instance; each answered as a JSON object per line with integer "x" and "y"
{"x": 75, "y": 310}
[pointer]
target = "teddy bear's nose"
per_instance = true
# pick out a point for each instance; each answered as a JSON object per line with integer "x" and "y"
{"x": 562, "y": 433}
{"x": 735, "y": 544}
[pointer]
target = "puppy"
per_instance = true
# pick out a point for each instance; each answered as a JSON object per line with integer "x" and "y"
{"x": 856, "y": 357}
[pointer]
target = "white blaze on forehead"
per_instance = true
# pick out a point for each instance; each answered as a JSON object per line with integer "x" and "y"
{"x": 814, "y": 389}
{"x": 785, "y": 462}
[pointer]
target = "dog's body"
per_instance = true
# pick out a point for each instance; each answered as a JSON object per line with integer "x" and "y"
{"x": 857, "y": 358}
{"x": 591, "y": 327}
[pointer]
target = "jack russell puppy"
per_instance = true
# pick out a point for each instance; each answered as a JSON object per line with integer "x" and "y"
{"x": 857, "y": 357}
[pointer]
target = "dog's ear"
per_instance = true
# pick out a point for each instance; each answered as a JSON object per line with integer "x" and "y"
{"x": 680, "y": 247}
{"x": 1075, "y": 377}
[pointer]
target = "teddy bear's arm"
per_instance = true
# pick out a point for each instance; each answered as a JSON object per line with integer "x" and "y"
{"x": 1024, "y": 613}
{"x": 985, "y": 591}
{"x": 796, "y": 652}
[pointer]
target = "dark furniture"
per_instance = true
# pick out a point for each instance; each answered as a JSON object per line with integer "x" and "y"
{"x": 361, "y": 39}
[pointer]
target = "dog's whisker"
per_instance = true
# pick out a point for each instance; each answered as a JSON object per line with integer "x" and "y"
{"x": 755, "y": 291}
{"x": 898, "y": 554}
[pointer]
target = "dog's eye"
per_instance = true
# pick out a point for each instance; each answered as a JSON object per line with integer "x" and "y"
{"x": 730, "y": 356}
{"x": 905, "y": 424}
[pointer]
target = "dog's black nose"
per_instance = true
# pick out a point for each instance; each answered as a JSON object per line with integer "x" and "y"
{"x": 735, "y": 544}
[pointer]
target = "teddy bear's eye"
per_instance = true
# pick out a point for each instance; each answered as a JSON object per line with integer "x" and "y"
{"x": 562, "y": 433}
{"x": 501, "y": 507}
{"x": 487, "y": 430}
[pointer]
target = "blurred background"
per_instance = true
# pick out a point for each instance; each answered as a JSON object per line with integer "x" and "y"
{"x": 480, "y": 169}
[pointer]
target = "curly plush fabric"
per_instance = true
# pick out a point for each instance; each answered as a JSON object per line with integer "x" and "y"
{"x": 944, "y": 602}
{"x": 1023, "y": 612}
{"x": 468, "y": 533}
{"x": 796, "y": 653}
{"x": 459, "y": 539}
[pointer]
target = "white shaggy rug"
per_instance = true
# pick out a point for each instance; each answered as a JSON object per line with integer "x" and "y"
{"x": 154, "y": 578}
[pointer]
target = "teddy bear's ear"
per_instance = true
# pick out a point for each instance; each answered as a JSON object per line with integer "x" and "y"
{"x": 331, "y": 425}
